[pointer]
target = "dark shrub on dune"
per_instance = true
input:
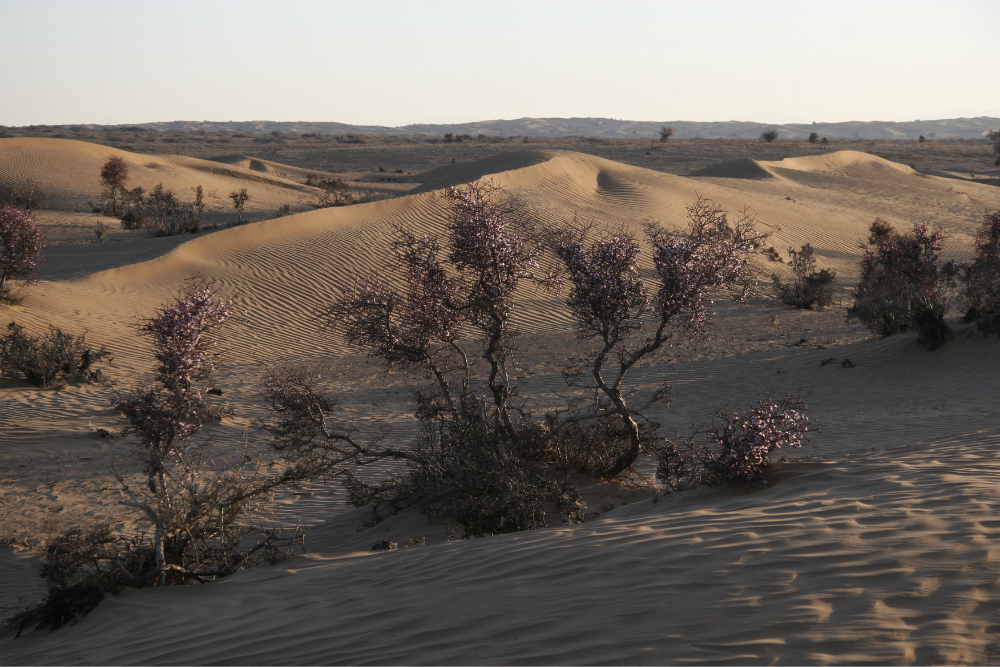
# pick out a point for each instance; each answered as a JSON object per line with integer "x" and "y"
{"x": 980, "y": 278}
{"x": 51, "y": 359}
{"x": 810, "y": 288}
{"x": 902, "y": 285}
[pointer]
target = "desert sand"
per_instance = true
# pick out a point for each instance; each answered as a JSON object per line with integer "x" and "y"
{"x": 874, "y": 545}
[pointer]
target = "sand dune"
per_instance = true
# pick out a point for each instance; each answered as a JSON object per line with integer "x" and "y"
{"x": 876, "y": 545}
{"x": 69, "y": 172}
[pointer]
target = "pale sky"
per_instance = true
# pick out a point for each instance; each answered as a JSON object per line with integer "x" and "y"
{"x": 394, "y": 62}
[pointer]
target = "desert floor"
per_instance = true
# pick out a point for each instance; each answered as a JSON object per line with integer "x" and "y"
{"x": 874, "y": 545}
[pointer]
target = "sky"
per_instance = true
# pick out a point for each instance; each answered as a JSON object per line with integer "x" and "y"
{"x": 400, "y": 62}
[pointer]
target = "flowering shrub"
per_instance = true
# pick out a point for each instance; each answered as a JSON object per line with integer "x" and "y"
{"x": 477, "y": 459}
{"x": 736, "y": 447}
{"x": 980, "y": 278}
{"x": 902, "y": 286}
{"x": 611, "y": 301}
{"x": 21, "y": 244}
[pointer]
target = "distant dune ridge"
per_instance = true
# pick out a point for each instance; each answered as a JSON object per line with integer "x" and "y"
{"x": 609, "y": 128}
{"x": 879, "y": 545}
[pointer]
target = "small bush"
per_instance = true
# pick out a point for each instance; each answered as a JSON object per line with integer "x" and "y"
{"x": 666, "y": 133}
{"x": 468, "y": 471}
{"x": 735, "y": 448}
{"x": 825, "y": 141}
{"x": 385, "y": 545}
{"x": 101, "y": 231}
{"x": 133, "y": 209}
{"x": 52, "y": 359}
{"x": 240, "y": 198}
{"x": 167, "y": 216}
{"x": 813, "y": 137}
{"x": 811, "y": 288}
{"x": 114, "y": 173}
{"x": 980, "y": 279}
{"x": 82, "y": 567}
{"x": 880, "y": 230}
{"x": 902, "y": 286}
{"x": 288, "y": 209}
{"x": 769, "y": 136}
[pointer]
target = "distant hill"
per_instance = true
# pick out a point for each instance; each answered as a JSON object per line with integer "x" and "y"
{"x": 608, "y": 128}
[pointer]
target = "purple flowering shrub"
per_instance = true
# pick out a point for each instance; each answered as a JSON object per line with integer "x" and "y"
{"x": 21, "y": 245}
{"x": 480, "y": 448}
{"x": 980, "y": 278}
{"x": 611, "y": 301}
{"x": 902, "y": 285}
{"x": 193, "y": 516}
{"x": 472, "y": 461}
{"x": 735, "y": 448}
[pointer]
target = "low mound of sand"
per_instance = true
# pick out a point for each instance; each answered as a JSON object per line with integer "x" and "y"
{"x": 846, "y": 163}
{"x": 742, "y": 168}
{"x": 269, "y": 167}
{"x": 465, "y": 172}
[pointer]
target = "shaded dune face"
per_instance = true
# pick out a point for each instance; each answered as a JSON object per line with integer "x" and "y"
{"x": 878, "y": 545}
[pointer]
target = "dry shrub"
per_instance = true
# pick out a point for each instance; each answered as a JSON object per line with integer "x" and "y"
{"x": 980, "y": 278}
{"x": 811, "y": 288}
{"x": 52, "y": 359}
{"x": 902, "y": 285}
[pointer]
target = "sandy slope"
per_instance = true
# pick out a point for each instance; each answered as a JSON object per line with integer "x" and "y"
{"x": 876, "y": 547}
{"x": 69, "y": 172}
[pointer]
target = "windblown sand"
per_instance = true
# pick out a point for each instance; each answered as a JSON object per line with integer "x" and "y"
{"x": 878, "y": 544}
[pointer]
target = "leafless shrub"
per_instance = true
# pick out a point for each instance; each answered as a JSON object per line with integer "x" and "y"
{"x": 52, "y": 359}
{"x": 769, "y": 135}
{"x": 240, "y": 198}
